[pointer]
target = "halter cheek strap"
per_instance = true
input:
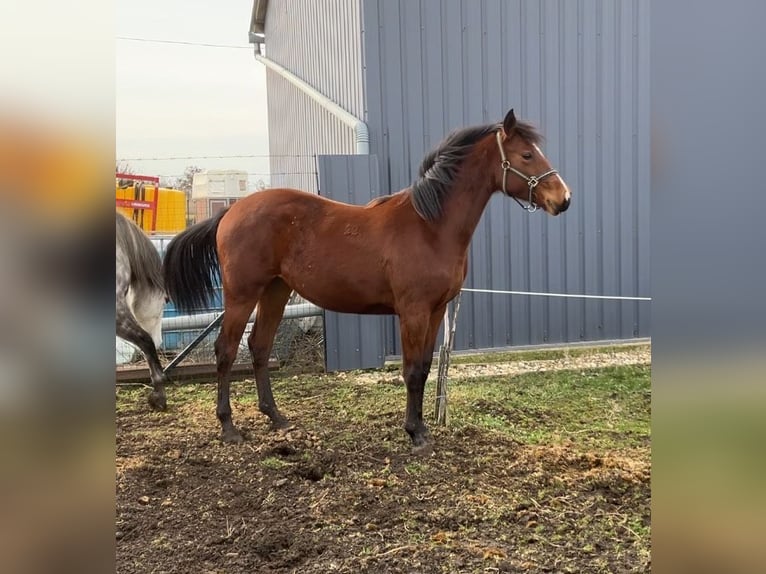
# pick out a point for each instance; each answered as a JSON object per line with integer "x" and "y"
{"x": 532, "y": 180}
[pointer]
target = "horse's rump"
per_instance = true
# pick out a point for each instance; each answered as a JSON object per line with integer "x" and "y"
{"x": 143, "y": 259}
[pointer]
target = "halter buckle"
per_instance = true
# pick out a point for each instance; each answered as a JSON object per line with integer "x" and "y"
{"x": 506, "y": 165}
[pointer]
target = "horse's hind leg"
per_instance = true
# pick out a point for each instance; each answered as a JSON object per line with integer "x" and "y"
{"x": 129, "y": 329}
{"x": 268, "y": 316}
{"x": 236, "y": 314}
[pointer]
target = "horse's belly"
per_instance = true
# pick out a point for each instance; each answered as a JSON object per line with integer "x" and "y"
{"x": 361, "y": 309}
{"x": 363, "y": 295}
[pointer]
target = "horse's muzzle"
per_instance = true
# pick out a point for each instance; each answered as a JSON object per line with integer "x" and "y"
{"x": 554, "y": 208}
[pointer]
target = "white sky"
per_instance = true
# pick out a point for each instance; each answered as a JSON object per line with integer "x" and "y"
{"x": 180, "y": 100}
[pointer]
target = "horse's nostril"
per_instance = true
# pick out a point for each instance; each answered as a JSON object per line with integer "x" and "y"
{"x": 565, "y": 205}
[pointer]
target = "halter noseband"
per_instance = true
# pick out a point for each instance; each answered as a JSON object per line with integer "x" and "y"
{"x": 532, "y": 180}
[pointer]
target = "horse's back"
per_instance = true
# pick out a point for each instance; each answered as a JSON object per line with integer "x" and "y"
{"x": 287, "y": 196}
{"x": 287, "y": 209}
{"x": 330, "y": 252}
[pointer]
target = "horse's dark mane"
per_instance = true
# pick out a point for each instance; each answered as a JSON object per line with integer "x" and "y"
{"x": 145, "y": 262}
{"x": 439, "y": 168}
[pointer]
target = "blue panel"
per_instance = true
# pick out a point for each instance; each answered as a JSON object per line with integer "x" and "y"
{"x": 351, "y": 341}
{"x": 473, "y": 62}
{"x": 642, "y": 186}
{"x": 570, "y": 167}
{"x": 551, "y": 32}
{"x": 452, "y": 31}
{"x": 433, "y": 72}
{"x": 589, "y": 149}
{"x": 627, "y": 147}
{"x": 412, "y": 89}
{"x": 608, "y": 98}
{"x": 394, "y": 126}
{"x": 373, "y": 89}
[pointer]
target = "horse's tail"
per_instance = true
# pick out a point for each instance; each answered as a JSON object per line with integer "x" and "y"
{"x": 190, "y": 266}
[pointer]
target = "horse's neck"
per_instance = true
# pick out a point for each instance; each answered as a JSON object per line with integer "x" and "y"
{"x": 465, "y": 207}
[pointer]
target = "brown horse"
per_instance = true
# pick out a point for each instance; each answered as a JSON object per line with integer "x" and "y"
{"x": 406, "y": 255}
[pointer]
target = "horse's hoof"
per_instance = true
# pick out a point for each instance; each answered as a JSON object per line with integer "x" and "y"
{"x": 232, "y": 436}
{"x": 423, "y": 450}
{"x": 158, "y": 402}
{"x": 281, "y": 425}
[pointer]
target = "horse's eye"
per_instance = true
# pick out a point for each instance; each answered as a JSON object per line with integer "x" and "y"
{"x": 527, "y": 155}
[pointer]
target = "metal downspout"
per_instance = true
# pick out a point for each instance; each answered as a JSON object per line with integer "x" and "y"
{"x": 361, "y": 134}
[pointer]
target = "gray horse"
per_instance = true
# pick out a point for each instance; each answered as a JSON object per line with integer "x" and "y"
{"x": 140, "y": 300}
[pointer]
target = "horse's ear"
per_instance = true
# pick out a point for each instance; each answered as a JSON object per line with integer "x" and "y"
{"x": 509, "y": 122}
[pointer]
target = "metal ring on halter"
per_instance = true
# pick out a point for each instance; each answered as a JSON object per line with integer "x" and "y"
{"x": 532, "y": 207}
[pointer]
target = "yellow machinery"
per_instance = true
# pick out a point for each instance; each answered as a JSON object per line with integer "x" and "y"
{"x": 165, "y": 213}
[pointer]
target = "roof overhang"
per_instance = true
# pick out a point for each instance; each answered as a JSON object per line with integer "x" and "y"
{"x": 257, "y": 33}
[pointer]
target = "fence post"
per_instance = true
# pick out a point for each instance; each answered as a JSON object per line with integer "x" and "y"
{"x": 442, "y": 416}
{"x": 316, "y": 174}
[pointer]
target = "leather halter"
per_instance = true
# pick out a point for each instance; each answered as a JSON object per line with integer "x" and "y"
{"x": 532, "y": 180}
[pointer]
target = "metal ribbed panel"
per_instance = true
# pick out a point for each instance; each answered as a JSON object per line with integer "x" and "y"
{"x": 579, "y": 70}
{"x": 320, "y": 42}
{"x": 299, "y": 130}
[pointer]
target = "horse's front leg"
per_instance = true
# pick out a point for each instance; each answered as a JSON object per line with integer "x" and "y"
{"x": 129, "y": 330}
{"x": 418, "y": 339}
{"x": 157, "y": 398}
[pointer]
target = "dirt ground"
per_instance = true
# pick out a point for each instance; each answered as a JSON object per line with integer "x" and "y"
{"x": 340, "y": 492}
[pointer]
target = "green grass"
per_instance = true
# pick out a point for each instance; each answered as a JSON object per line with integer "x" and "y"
{"x": 274, "y": 463}
{"x": 471, "y": 358}
{"x": 415, "y": 467}
{"x": 592, "y": 406}
{"x": 599, "y": 407}
{"x": 127, "y": 397}
{"x": 595, "y": 407}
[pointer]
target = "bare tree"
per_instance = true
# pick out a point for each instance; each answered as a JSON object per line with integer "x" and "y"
{"x": 185, "y": 181}
{"x": 124, "y": 167}
{"x": 168, "y": 182}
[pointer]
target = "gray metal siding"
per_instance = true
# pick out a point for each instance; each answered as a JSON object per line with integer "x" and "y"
{"x": 299, "y": 131}
{"x": 577, "y": 69}
{"x": 320, "y": 42}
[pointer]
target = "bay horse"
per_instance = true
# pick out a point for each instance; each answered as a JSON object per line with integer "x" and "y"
{"x": 406, "y": 254}
{"x": 140, "y": 300}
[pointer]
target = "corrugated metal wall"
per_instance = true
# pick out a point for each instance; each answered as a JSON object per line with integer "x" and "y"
{"x": 320, "y": 42}
{"x": 579, "y": 69}
{"x": 416, "y": 69}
